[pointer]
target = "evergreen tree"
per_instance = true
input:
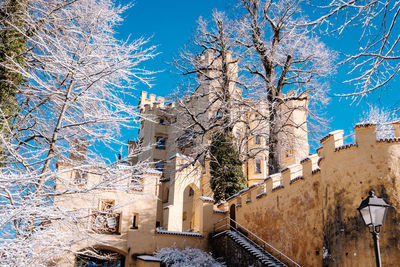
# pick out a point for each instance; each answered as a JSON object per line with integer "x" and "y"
{"x": 227, "y": 176}
{"x": 12, "y": 49}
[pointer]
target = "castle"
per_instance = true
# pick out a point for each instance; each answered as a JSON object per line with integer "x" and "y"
{"x": 307, "y": 211}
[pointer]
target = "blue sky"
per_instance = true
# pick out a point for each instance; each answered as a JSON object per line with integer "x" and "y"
{"x": 171, "y": 24}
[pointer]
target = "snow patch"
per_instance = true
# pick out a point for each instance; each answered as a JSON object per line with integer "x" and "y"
{"x": 189, "y": 257}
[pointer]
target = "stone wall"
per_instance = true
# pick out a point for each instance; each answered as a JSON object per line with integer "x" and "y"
{"x": 309, "y": 210}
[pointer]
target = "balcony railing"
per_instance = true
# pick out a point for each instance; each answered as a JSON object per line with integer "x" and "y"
{"x": 105, "y": 222}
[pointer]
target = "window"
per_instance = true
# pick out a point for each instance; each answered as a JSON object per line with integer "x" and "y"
{"x": 160, "y": 166}
{"x": 184, "y": 216}
{"x": 80, "y": 177}
{"x": 162, "y": 121}
{"x": 218, "y": 114}
{"x": 258, "y": 140}
{"x": 160, "y": 142}
{"x": 135, "y": 221}
{"x": 258, "y": 166}
{"x": 136, "y": 184}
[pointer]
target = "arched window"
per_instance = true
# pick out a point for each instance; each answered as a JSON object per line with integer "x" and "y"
{"x": 258, "y": 140}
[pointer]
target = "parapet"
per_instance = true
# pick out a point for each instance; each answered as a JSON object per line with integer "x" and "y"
{"x": 309, "y": 171}
{"x": 153, "y": 102}
{"x": 330, "y": 142}
{"x": 307, "y": 168}
{"x": 365, "y": 136}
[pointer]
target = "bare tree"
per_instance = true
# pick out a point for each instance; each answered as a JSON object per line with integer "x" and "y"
{"x": 78, "y": 79}
{"x": 272, "y": 54}
{"x": 376, "y": 62}
{"x": 285, "y": 56}
{"x": 211, "y": 100}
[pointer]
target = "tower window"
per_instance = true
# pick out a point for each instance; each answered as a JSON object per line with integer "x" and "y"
{"x": 160, "y": 142}
{"x": 258, "y": 166}
{"x": 258, "y": 140}
{"x": 135, "y": 221}
{"x": 218, "y": 114}
{"x": 160, "y": 166}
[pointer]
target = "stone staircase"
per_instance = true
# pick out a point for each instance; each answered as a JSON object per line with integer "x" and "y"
{"x": 239, "y": 246}
{"x": 238, "y": 250}
{"x": 254, "y": 249}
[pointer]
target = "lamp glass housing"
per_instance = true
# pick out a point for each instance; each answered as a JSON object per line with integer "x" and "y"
{"x": 373, "y": 210}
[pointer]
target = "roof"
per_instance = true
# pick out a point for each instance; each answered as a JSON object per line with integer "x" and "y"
{"x": 148, "y": 258}
{"x": 160, "y": 231}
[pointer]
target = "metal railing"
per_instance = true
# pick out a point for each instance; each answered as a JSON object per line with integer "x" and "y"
{"x": 230, "y": 224}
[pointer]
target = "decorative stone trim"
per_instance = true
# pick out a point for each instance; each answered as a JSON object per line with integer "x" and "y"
{"x": 315, "y": 171}
{"x": 364, "y": 125}
{"x": 284, "y": 169}
{"x": 277, "y": 188}
{"x": 261, "y": 195}
{"x": 304, "y": 160}
{"x": 345, "y": 147}
{"x": 389, "y": 140}
{"x": 268, "y": 178}
{"x": 296, "y": 179}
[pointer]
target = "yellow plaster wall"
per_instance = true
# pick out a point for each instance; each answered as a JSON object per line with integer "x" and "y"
{"x": 126, "y": 204}
{"x": 183, "y": 178}
{"x": 317, "y": 211}
{"x": 349, "y": 173}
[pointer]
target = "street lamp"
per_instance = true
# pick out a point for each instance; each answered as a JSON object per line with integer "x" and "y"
{"x": 373, "y": 212}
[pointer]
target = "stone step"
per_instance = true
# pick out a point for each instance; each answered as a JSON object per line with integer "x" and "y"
{"x": 254, "y": 249}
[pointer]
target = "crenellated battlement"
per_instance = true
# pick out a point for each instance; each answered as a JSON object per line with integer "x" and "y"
{"x": 309, "y": 167}
{"x": 153, "y": 102}
{"x": 365, "y": 136}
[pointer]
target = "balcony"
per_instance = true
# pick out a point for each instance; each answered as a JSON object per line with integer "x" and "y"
{"x": 102, "y": 222}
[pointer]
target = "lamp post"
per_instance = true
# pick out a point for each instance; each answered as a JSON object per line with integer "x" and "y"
{"x": 373, "y": 212}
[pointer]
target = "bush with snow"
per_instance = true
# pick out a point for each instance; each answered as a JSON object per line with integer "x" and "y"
{"x": 174, "y": 257}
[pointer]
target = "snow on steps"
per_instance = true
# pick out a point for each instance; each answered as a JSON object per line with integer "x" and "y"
{"x": 257, "y": 251}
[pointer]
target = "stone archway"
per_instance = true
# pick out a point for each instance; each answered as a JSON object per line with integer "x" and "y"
{"x": 188, "y": 211}
{"x": 100, "y": 258}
